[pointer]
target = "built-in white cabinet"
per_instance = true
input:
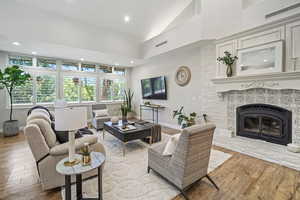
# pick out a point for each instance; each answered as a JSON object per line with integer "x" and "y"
{"x": 229, "y": 46}
{"x": 263, "y": 37}
{"x": 293, "y": 46}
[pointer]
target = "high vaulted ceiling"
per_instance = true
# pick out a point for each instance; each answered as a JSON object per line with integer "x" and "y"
{"x": 148, "y": 17}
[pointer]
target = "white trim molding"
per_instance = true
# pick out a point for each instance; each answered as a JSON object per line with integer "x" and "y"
{"x": 276, "y": 81}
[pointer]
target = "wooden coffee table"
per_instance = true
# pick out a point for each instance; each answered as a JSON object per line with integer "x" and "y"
{"x": 140, "y": 132}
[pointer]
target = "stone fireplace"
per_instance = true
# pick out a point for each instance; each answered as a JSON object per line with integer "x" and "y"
{"x": 279, "y": 92}
{"x": 266, "y": 122}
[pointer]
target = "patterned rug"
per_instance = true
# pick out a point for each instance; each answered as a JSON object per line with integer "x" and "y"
{"x": 126, "y": 178}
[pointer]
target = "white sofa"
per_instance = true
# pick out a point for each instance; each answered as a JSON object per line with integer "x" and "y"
{"x": 47, "y": 151}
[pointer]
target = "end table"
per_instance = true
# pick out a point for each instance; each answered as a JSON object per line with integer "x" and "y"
{"x": 97, "y": 160}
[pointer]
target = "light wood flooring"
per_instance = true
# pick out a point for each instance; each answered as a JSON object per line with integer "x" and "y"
{"x": 241, "y": 177}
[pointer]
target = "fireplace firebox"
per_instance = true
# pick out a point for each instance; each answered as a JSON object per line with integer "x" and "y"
{"x": 265, "y": 122}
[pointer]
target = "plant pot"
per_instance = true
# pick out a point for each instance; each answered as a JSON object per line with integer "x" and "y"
{"x": 10, "y": 128}
{"x": 229, "y": 71}
{"x": 124, "y": 118}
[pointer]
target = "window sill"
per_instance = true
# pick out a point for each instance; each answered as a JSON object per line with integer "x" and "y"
{"x": 28, "y": 106}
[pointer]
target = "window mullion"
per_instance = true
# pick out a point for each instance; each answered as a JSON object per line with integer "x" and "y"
{"x": 34, "y": 89}
{"x": 97, "y": 84}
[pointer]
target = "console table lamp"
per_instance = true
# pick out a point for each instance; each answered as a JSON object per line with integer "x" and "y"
{"x": 70, "y": 119}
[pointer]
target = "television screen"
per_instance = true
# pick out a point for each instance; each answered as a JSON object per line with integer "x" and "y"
{"x": 154, "y": 88}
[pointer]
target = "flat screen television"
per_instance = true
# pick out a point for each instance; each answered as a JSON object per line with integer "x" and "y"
{"x": 154, "y": 88}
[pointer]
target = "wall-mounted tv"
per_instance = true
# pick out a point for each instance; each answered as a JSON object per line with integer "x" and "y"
{"x": 154, "y": 88}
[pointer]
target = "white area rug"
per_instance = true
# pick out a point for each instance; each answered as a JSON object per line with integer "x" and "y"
{"x": 126, "y": 178}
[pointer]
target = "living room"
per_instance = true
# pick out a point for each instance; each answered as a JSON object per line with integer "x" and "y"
{"x": 184, "y": 99}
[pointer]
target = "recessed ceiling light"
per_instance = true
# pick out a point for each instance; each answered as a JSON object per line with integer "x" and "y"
{"x": 132, "y": 62}
{"x": 16, "y": 43}
{"x": 126, "y": 18}
{"x": 82, "y": 59}
{"x": 34, "y": 52}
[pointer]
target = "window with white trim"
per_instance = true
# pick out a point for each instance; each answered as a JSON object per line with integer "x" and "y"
{"x": 70, "y": 66}
{"x": 74, "y": 81}
{"x": 88, "y": 67}
{"x": 112, "y": 89}
{"x": 45, "y": 88}
{"x": 23, "y": 94}
{"x": 46, "y": 63}
{"x": 88, "y": 89}
{"x": 20, "y": 60}
{"x": 71, "y": 89}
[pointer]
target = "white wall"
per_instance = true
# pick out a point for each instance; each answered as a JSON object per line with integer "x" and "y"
{"x": 198, "y": 96}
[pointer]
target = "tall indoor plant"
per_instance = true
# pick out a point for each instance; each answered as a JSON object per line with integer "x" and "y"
{"x": 10, "y": 78}
{"x": 228, "y": 60}
{"x": 128, "y": 101}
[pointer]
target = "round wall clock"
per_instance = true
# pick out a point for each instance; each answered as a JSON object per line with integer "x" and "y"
{"x": 183, "y": 76}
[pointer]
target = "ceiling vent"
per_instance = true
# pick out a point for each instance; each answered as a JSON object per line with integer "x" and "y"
{"x": 272, "y": 14}
{"x": 162, "y": 43}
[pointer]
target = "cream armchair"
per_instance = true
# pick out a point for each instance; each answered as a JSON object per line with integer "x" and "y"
{"x": 47, "y": 152}
{"x": 189, "y": 163}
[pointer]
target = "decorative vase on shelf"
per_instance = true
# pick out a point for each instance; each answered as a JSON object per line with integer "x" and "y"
{"x": 229, "y": 71}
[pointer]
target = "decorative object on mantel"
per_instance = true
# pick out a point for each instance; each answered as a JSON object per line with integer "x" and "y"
{"x": 10, "y": 78}
{"x": 228, "y": 60}
{"x": 266, "y": 58}
{"x": 183, "y": 120}
{"x": 183, "y": 76}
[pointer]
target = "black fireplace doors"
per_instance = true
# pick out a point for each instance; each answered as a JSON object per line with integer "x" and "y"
{"x": 266, "y": 122}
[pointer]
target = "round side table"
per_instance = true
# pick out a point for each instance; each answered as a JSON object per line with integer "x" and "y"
{"x": 97, "y": 160}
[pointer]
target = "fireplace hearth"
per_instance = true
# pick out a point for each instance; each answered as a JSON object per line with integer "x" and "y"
{"x": 266, "y": 122}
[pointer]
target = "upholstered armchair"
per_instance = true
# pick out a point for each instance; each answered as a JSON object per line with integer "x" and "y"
{"x": 98, "y": 121}
{"x": 47, "y": 151}
{"x": 189, "y": 162}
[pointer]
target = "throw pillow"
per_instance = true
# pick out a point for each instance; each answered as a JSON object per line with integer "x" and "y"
{"x": 171, "y": 145}
{"x": 101, "y": 113}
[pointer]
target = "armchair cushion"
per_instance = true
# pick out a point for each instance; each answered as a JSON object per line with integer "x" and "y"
{"x": 46, "y": 130}
{"x": 62, "y": 149}
{"x": 38, "y": 115}
{"x": 101, "y": 113}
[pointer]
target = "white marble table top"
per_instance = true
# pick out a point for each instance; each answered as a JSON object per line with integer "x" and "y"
{"x": 97, "y": 159}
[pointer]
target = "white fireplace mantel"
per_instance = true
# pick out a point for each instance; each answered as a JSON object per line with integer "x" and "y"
{"x": 276, "y": 81}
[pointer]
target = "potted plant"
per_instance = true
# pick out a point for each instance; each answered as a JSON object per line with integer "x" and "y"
{"x": 10, "y": 78}
{"x": 228, "y": 60}
{"x": 183, "y": 120}
{"x": 124, "y": 111}
{"x": 128, "y": 101}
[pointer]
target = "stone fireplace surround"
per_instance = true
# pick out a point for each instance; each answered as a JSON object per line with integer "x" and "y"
{"x": 287, "y": 98}
{"x": 279, "y": 89}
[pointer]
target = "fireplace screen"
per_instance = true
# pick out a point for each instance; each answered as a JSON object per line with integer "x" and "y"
{"x": 266, "y": 122}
